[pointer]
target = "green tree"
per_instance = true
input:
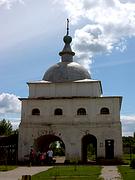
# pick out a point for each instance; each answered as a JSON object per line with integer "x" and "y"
{"x": 58, "y": 148}
{"x": 5, "y": 127}
{"x": 128, "y": 140}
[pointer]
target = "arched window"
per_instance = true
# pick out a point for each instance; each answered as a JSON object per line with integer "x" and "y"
{"x": 58, "y": 111}
{"x": 35, "y": 111}
{"x": 81, "y": 111}
{"x": 104, "y": 110}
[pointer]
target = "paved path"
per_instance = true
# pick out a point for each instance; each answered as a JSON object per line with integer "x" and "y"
{"x": 110, "y": 173}
{"x": 107, "y": 173}
{"x": 17, "y": 173}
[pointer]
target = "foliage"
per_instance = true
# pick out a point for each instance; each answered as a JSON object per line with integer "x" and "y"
{"x": 16, "y": 131}
{"x": 68, "y": 173}
{"x": 129, "y": 142}
{"x": 7, "y": 168}
{"x": 58, "y": 148}
{"x": 132, "y": 164}
{"x": 5, "y": 127}
{"x": 127, "y": 158}
{"x": 127, "y": 172}
{"x": 91, "y": 152}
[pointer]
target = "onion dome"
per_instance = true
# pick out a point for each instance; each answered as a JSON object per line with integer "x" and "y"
{"x": 66, "y": 70}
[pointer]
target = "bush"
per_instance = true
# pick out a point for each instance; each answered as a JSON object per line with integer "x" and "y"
{"x": 132, "y": 164}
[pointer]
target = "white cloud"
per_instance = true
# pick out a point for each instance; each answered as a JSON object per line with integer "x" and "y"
{"x": 108, "y": 24}
{"x": 9, "y": 103}
{"x": 15, "y": 122}
{"x": 126, "y": 1}
{"x": 128, "y": 119}
{"x": 89, "y": 41}
{"x": 9, "y": 3}
{"x": 102, "y": 25}
{"x": 128, "y": 124}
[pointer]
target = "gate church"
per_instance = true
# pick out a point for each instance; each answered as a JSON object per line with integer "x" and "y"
{"x": 67, "y": 105}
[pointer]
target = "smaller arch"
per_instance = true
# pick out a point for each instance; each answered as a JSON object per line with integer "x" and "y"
{"x": 35, "y": 111}
{"x": 81, "y": 111}
{"x": 58, "y": 111}
{"x": 89, "y": 148}
{"x": 104, "y": 110}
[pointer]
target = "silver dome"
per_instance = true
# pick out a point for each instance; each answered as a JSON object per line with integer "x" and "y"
{"x": 66, "y": 72}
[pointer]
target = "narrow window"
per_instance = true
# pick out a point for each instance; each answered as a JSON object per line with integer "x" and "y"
{"x": 81, "y": 111}
{"x": 58, "y": 111}
{"x": 104, "y": 110}
{"x": 35, "y": 111}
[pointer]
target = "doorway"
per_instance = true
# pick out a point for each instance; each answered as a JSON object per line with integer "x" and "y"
{"x": 109, "y": 149}
{"x": 89, "y": 148}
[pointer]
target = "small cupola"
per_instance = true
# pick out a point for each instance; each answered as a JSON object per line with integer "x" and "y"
{"x": 67, "y": 70}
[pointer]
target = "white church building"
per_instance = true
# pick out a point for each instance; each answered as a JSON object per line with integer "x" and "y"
{"x": 67, "y": 105}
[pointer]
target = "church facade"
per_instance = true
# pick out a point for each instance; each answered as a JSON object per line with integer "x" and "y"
{"x": 67, "y": 105}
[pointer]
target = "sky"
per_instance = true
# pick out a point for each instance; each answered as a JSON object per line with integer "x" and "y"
{"x": 103, "y": 38}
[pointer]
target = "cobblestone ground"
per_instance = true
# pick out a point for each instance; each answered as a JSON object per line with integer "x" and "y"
{"x": 110, "y": 173}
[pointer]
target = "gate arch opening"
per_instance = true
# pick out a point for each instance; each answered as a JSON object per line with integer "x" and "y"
{"x": 89, "y": 148}
{"x": 45, "y": 142}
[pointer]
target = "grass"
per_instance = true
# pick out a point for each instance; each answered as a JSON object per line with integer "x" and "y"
{"x": 69, "y": 173}
{"x": 6, "y": 167}
{"x": 126, "y": 158}
{"x": 127, "y": 172}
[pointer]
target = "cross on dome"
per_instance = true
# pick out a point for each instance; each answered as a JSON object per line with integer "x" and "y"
{"x": 67, "y": 27}
{"x": 66, "y": 70}
{"x": 67, "y": 53}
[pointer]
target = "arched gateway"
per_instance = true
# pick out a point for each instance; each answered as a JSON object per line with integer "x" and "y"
{"x": 68, "y": 105}
{"x": 89, "y": 148}
{"x": 43, "y": 143}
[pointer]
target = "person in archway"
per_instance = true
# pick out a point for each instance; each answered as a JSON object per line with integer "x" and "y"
{"x": 32, "y": 156}
{"x": 42, "y": 158}
{"x": 50, "y": 155}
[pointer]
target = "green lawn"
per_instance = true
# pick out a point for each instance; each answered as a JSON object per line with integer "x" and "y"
{"x": 69, "y": 173}
{"x": 126, "y": 158}
{"x": 127, "y": 172}
{"x": 6, "y": 168}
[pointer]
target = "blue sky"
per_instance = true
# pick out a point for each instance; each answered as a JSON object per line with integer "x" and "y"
{"x": 31, "y": 34}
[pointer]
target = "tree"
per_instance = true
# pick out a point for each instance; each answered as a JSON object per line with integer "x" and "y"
{"x": 5, "y": 127}
{"x": 129, "y": 142}
{"x": 58, "y": 148}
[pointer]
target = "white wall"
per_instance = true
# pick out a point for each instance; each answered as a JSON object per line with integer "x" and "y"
{"x": 46, "y": 89}
{"x": 71, "y": 127}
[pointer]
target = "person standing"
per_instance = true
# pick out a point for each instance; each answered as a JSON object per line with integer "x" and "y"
{"x": 50, "y": 155}
{"x": 32, "y": 156}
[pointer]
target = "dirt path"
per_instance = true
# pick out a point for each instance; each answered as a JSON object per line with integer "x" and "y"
{"x": 17, "y": 173}
{"x": 110, "y": 173}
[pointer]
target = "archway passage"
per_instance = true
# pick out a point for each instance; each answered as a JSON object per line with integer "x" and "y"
{"x": 45, "y": 142}
{"x": 89, "y": 148}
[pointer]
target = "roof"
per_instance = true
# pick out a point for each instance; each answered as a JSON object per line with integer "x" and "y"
{"x": 66, "y": 70}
